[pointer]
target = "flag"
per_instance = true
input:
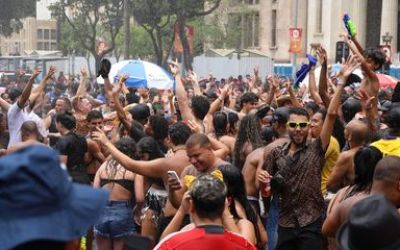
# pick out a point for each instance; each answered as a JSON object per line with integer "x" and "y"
{"x": 295, "y": 40}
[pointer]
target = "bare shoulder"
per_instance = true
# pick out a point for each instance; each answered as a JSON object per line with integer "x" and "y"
{"x": 345, "y": 206}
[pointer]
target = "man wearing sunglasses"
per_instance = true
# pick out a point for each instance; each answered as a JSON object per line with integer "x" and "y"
{"x": 293, "y": 173}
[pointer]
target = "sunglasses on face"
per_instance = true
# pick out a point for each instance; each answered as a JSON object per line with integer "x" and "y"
{"x": 298, "y": 124}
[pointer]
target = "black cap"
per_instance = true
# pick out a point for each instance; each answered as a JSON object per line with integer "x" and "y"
{"x": 281, "y": 115}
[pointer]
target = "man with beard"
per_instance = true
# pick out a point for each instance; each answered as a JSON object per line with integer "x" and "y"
{"x": 296, "y": 170}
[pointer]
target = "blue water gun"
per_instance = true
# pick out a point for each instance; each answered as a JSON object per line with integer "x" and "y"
{"x": 350, "y": 26}
{"x": 303, "y": 71}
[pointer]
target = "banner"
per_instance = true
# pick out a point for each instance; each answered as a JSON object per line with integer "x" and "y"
{"x": 177, "y": 41}
{"x": 101, "y": 45}
{"x": 295, "y": 40}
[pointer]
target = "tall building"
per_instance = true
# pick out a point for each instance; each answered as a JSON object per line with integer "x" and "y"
{"x": 264, "y": 24}
{"x": 37, "y": 34}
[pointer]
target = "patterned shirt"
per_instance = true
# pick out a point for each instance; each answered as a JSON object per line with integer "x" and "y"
{"x": 301, "y": 200}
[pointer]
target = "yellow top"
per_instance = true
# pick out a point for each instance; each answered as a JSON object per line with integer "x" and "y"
{"x": 331, "y": 155}
{"x": 388, "y": 147}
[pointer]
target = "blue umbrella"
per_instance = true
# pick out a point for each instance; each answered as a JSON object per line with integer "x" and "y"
{"x": 140, "y": 74}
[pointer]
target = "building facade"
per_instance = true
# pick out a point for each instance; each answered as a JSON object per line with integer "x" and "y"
{"x": 264, "y": 24}
{"x": 38, "y": 33}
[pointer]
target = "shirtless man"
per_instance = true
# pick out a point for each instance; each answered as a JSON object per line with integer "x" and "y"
{"x": 386, "y": 182}
{"x": 197, "y": 111}
{"x": 356, "y": 133}
{"x": 158, "y": 168}
{"x": 255, "y": 160}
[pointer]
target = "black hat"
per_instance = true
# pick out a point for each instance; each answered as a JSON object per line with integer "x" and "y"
{"x": 385, "y": 105}
{"x": 374, "y": 223}
{"x": 281, "y": 115}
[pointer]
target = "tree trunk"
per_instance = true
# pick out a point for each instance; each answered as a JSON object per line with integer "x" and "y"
{"x": 126, "y": 30}
{"x": 187, "y": 56}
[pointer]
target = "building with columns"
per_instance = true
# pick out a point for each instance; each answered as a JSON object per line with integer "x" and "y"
{"x": 264, "y": 24}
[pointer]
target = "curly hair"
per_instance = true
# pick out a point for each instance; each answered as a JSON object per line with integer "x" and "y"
{"x": 249, "y": 132}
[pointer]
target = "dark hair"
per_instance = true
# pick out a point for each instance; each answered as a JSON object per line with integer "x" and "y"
{"x": 208, "y": 195}
{"x": 200, "y": 106}
{"x": 312, "y": 106}
{"x": 94, "y": 114}
{"x": 140, "y": 112}
{"x": 159, "y": 126}
{"x": 233, "y": 118}
{"x": 365, "y": 161}
{"x": 377, "y": 56}
{"x": 267, "y": 135}
{"x": 299, "y": 111}
{"x": 67, "y": 120}
{"x": 220, "y": 123}
{"x": 179, "y": 132}
{"x": 248, "y": 97}
{"x": 150, "y": 146}
{"x": 394, "y": 119}
{"x": 350, "y": 108}
{"x": 236, "y": 189}
{"x": 137, "y": 131}
{"x": 249, "y": 132}
{"x": 321, "y": 111}
{"x": 14, "y": 93}
{"x": 127, "y": 146}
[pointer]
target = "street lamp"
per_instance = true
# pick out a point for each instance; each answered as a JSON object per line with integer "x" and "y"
{"x": 387, "y": 38}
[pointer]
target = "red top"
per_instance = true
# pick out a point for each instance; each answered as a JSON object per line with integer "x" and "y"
{"x": 207, "y": 237}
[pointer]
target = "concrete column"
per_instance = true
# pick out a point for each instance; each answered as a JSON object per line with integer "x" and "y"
{"x": 389, "y": 22}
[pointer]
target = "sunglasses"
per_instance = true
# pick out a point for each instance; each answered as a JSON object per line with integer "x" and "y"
{"x": 298, "y": 124}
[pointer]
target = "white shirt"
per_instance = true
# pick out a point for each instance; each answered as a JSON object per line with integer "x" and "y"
{"x": 16, "y": 117}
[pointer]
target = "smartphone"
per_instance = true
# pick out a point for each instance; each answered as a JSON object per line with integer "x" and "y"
{"x": 174, "y": 175}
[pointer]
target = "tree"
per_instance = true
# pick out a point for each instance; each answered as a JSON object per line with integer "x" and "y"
{"x": 11, "y": 13}
{"x": 185, "y": 10}
{"x": 157, "y": 20}
{"x": 86, "y": 17}
{"x": 141, "y": 44}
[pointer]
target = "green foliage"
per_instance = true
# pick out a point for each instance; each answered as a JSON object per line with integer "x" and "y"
{"x": 11, "y": 13}
{"x": 141, "y": 46}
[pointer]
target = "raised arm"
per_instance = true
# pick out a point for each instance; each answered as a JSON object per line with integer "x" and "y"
{"x": 28, "y": 89}
{"x": 372, "y": 86}
{"x": 193, "y": 78}
{"x": 118, "y": 106}
{"x": 81, "y": 92}
{"x": 153, "y": 169}
{"x": 323, "y": 78}
{"x": 348, "y": 67}
{"x": 38, "y": 90}
{"x": 181, "y": 95}
{"x": 312, "y": 87}
{"x": 293, "y": 98}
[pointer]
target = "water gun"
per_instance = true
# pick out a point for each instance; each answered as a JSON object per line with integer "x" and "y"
{"x": 351, "y": 28}
{"x": 303, "y": 71}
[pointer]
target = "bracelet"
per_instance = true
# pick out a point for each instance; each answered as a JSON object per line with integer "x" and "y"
{"x": 220, "y": 99}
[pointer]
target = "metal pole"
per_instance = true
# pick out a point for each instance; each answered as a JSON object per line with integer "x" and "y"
{"x": 296, "y": 6}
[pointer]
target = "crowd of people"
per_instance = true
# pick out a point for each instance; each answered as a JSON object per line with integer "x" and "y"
{"x": 235, "y": 163}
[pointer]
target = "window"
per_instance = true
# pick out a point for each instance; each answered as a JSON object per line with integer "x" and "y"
{"x": 46, "y": 46}
{"x": 273, "y": 29}
{"x": 251, "y": 30}
{"x": 46, "y": 34}
{"x": 319, "y": 16}
{"x": 53, "y": 35}
{"x": 53, "y": 46}
{"x": 39, "y": 34}
{"x": 40, "y": 46}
